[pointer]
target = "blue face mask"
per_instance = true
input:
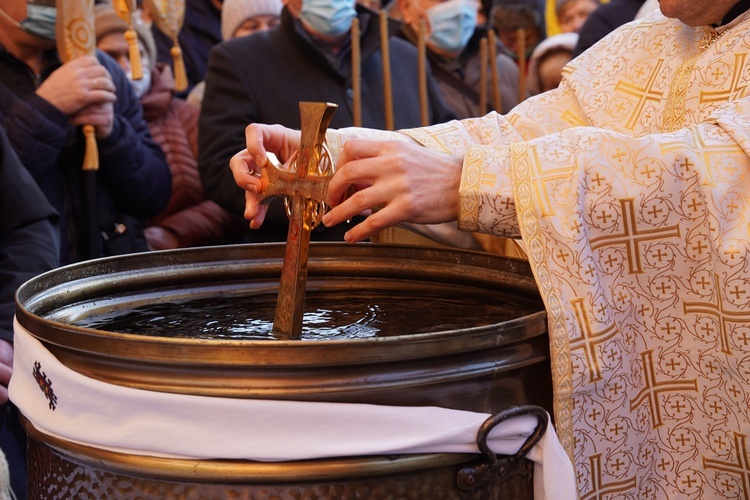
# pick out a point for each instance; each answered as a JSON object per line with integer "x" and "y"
{"x": 328, "y": 17}
{"x": 452, "y": 23}
{"x": 40, "y": 19}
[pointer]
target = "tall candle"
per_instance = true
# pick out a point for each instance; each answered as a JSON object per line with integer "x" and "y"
{"x": 497, "y": 102}
{"x": 422, "y": 68}
{"x": 521, "y": 36}
{"x": 385, "y": 51}
{"x": 482, "y": 76}
{"x": 356, "y": 69}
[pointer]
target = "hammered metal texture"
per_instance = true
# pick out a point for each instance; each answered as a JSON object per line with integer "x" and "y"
{"x": 54, "y": 476}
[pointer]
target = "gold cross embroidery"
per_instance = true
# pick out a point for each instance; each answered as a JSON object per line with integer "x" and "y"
{"x": 654, "y": 388}
{"x": 643, "y": 94}
{"x": 735, "y": 89}
{"x": 632, "y": 237}
{"x": 589, "y": 339}
{"x": 723, "y": 317}
{"x": 741, "y": 467}
{"x": 698, "y": 146}
{"x": 542, "y": 177}
{"x": 599, "y": 489}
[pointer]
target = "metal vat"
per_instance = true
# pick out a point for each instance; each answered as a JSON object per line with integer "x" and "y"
{"x": 484, "y": 369}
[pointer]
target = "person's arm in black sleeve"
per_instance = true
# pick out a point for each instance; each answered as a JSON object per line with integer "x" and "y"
{"x": 29, "y": 242}
{"x": 132, "y": 165}
{"x": 228, "y": 107}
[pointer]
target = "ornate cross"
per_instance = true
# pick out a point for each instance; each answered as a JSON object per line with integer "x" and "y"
{"x": 303, "y": 183}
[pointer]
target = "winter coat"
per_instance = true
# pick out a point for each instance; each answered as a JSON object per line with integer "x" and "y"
{"x": 201, "y": 30}
{"x": 263, "y": 77}
{"x": 29, "y": 242}
{"x": 190, "y": 219}
{"x": 133, "y": 180}
{"x": 604, "y": 20}
{"x": 459, "y": 79}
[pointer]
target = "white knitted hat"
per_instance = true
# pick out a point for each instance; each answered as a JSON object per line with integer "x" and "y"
{"x": 234, "y": 13}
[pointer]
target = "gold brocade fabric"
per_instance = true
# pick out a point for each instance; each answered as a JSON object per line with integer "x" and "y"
{"x": 629, "y": 185}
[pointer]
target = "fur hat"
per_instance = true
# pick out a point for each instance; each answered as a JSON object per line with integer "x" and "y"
{"x": 235, "y": 12}
{"x": 564, "y": 42}
{"x": 106, "y": 22}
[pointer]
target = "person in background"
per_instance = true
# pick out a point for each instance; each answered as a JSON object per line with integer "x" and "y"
{"x": 507, "y": 18}
{"x": 242, "y": 18}
{"x": 453, "y": 41}
{"x": 43, "y": 104}
{"x": 571, "y": 14}
{"x": 201, "y": 31}
{"x": 306, "y": 58}
{"x": 604, "y": 20}
{"x": 548, "y": 60}
{"x": 190, "y": 219}
{"x": 29, "y": 245}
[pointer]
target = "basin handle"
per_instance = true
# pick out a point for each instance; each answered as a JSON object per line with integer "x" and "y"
{"x": 494, "y": 468}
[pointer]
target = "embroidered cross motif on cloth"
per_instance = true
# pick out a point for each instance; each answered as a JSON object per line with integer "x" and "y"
{"x": 45, "y": 385}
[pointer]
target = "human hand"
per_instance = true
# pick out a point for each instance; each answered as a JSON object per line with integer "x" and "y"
{"x": 101, "y": 116}
{"x": 78, "y": 84}
{"x": 6, "y": 368}
{"x": 248, "y": 165}
{"x": 409, "y": 182}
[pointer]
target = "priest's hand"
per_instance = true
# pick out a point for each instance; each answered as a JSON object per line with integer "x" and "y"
{"x": 78, "y": 84}
{"x": 6, "y": 368}
{"x": 402, "y": 182}
{"x": 247, "y": 165}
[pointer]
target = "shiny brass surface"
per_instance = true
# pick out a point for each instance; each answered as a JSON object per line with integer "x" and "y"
{"x": 59, "y": 469}
{"x": 482, "y": 369}
{"x": 479, "y": 369}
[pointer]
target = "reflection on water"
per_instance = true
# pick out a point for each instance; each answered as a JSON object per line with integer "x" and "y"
{"x": 351, "y": 314}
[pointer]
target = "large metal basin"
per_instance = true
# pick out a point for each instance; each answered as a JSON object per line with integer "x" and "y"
{"x": 483, "y": 368}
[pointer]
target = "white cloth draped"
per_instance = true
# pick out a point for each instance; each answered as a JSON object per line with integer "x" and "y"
{"x": 142, "y": 422}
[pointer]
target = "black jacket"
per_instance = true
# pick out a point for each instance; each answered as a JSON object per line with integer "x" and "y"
{"x": 133, "y": 181}
{"x": 201, "y": 30}
{"x": 604, "y": 20}
{"x": 29, "y": 240}
{"x": 263, "y": 77}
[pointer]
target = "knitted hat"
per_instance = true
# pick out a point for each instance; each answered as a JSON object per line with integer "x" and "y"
{"x": 562, "y": 42}
{"x": 235, "y": 12}
{"x": 513, "y": 15}
{"x": 106, "y": 22}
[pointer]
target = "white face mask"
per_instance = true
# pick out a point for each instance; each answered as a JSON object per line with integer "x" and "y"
{"x": 328, "y": 17}
{"x": 140, "y": 87}
{"x": 452, "y": 23}
{"x": 40, "y": 19}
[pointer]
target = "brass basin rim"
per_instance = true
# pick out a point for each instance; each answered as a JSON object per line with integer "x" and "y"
{"x": 119, "y": 345}
{"x": 245, "y": 471}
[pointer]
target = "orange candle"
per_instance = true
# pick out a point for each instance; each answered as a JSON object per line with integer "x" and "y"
{"x": 356, "y": 69}
{"x": 385, "y": 50}
{"x": 482, "y": 76}
{"x": 496, "y": 99}
{"x": 521, "y": 36}
{"x": 422, "y": 69}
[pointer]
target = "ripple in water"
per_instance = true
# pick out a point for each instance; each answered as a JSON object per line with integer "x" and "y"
{"x": 357, "y": 315}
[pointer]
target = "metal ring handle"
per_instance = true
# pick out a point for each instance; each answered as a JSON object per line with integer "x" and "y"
{"x": 494, "y": 469}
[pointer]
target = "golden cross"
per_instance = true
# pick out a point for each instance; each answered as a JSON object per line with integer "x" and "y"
{"x": 632, "y": 237}
{"x": 304, "y": 184}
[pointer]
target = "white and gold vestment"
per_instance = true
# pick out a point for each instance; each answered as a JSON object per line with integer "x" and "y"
{"x": 629, "y": 185}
